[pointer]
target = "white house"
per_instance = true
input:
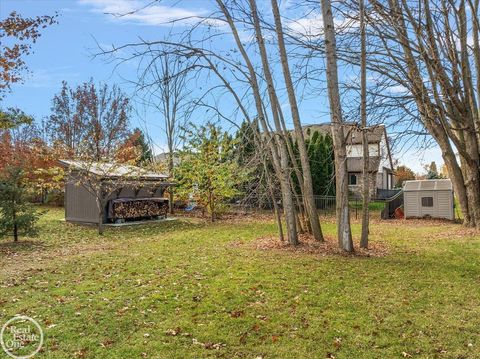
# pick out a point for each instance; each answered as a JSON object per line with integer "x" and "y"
{"x": 380, "y": 159}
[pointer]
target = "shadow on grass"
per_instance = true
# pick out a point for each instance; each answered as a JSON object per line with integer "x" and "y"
{"x": 27, "y": 246}
{"x": 156, "y": 227}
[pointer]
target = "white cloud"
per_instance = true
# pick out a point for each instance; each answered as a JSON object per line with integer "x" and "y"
{"x": 137, "y": 11}
{"x": 50, "y": 78}
{"x": 246, "y": 35}
{"x": 398, "y": 89}
{"x": 312, "y": 25}
{"x": 286, "y": 4}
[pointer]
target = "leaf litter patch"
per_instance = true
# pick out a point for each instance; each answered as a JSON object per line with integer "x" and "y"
{"x": 308, "y": 245}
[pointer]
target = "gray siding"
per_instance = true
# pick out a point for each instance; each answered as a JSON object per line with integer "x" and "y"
{"x": 445, "y": 205}
{"x": 80, "y": 204}
{"x": 411, "y": 205}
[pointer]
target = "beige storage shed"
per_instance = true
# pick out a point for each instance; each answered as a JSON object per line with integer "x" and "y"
{"x": 120, "y": 183}
{"x": 429, "y": 198}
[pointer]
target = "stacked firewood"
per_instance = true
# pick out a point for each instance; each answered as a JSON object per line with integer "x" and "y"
{"x": 139, "y": 209}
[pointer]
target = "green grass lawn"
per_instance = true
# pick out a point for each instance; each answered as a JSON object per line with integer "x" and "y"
{"x": 180, "y": 289}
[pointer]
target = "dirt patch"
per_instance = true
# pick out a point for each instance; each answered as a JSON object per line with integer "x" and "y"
{"x": 447, "y": 229}
{"x": 417, "y": 222}
{"x": 17, "y": 261}
{"x": 460, "y": 233}
{"x": 21, "y": 247}
{"x": 247, "y": 217}
{"x": 308, "y": 245}
{"x": 229, "y": 217}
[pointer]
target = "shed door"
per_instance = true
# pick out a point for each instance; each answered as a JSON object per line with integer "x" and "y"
{"x": 445, "y": 204}
{"x": 427, "y": 203}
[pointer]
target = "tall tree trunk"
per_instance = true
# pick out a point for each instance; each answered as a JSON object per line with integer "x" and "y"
{"x": 100, "y": 222}
{"x": 432, "y": 114}
{"x": 212, "y": 209}
{"x": 308, "y": 199}
{"x": 288, "y": 202}
{"x": 475, "y": 16}
{"x": 170, "y": 172}
{"x": 260, "y": 146}
{"x": 304, "y": 223}
{"x": 278, "y": 216}
{"x": 472, "y": 144}
{"x": 363, "y": 116}
{"x": 276, "y": 144}
{"x": 101, "y": 209}
{"x": 343, "y": 215}
{"x": 285, "y": 179}
{"x": 456, "y": 176}
{"x": 15, "y": 226}
{"x": 472, "y": 185}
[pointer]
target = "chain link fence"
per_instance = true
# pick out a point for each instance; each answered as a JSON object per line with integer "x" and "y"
{"x": 325, "y": 205}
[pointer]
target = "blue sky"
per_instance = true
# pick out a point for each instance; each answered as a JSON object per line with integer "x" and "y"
{"x": 64, "y": 52}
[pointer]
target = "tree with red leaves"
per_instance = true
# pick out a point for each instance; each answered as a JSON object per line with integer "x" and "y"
{"x": 89, "y": 121}
{"x": 135, "y": 149}
{"x": 17, "y": 35}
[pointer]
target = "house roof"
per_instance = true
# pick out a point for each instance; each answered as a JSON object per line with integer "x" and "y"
{"x": 428, "y": 185}
{"x": 353, "y": 137}
{"x": 355, "y": 164}
{"x": 375, "y": 135}
{"x": 113, "y": 170}
{"x": 163, "y": 157}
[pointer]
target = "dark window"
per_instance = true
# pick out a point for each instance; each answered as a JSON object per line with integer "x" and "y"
{"x": 427, "y": 201}
{"x": 352, "y": 179}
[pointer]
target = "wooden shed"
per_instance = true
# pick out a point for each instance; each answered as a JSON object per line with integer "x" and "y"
{"x": 429, "y": 198}
{"x": 110, "y": 192}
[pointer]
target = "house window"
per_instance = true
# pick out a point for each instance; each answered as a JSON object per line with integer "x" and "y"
{"x": 389, "y": 181}
{"x": 427, "y": 201}
{"x": 352, "y": 179}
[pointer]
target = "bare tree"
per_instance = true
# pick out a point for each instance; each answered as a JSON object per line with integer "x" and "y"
{"x": 363, "y": 117}
{"x": 276, "y": 142}
{"x": 255, "y": 89}
{"x": 424, "y": 48}
{"x": 307, "y": 175}
{"x": 162, "y": 84}
{"x": 342, "y": 208}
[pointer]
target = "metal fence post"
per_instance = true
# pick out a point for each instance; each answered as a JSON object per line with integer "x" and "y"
{"x": 356, "y": 207}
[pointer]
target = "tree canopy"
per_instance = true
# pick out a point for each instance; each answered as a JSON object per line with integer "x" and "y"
{"x": 17, "y": 35}
{"x": 89, "y": 120}
{"x": 208, "y": 173}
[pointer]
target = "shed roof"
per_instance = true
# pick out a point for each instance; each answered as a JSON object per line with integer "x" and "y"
{"x": 428, "y": 185}
{"x": 113, "y": 170}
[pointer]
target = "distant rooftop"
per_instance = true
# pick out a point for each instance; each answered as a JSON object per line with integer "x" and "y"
{"x": 163, "y": 158}
{"x": 353, "y": 136}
